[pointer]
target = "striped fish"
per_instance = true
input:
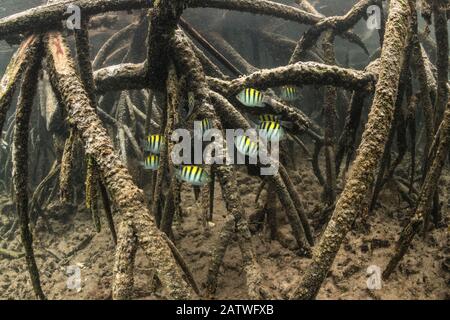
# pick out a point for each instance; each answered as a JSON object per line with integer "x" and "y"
{"x": 191, "y": 100}
{"x": 271, "y": 130}
{"x": 251, "y": 98}
{"x": 268, "y": 117}
{"x": 289, "y": 93}
{"x": 246, "y": 146}
{"x": 206, "y": 125}
{"x": 275, "y": 118}
{"x": 193, "y": 175}
{"x": 154, "y": 143}
{"x": 151, "y": 162}
{"x": 190, "y": 104}
{"x": 4, "y": 145}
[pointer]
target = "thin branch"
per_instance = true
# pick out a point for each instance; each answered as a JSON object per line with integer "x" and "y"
{"x": 338, "y": 24}
{"x": 111, "y": 43}
{"x": 213, "y": 51}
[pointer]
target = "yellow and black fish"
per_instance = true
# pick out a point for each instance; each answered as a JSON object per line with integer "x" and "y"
{"x": 268, "y": 117}
{"x": 154, "y": 143}
{"x": 271, "y": 130}
{"x": 251, "y": 98}
{"x": 193, "y": 175}
{"x": 289, "y": 93}
{"x": 246, "y": 146}
{"x": 274, "y": 118}
{"x": 206, "y": 125}
{"x": 151, "y": 162}
{"x": 190, "y": 105}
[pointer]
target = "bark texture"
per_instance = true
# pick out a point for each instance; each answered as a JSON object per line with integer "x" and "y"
{"x": 128, "y": 199}
{"x": 13, "y": 73}
{"x": 20, "y": 161}
{"x": 369, "y": 153}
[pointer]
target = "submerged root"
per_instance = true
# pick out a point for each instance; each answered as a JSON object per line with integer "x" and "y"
{"x": 368, "y": 155}
{"x": 20, "y": 162}
{"x": 165, "y": 88}
{"x": 66, "y": 172}
{"x": 126, "y": 196}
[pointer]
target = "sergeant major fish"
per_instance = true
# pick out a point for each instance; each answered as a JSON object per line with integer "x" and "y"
{"x": 271, "y": 130}
{"x": 289, "y": 93}
{"x": 206, "y": 125}
{"x": 250, "y": 97}
{"x": 246, "y": 146}
{"x": 193, "y": 175}
{"x": 151, "y": 162}
{"x": 275, "y": 118}
{"x": 154, "y": 143}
